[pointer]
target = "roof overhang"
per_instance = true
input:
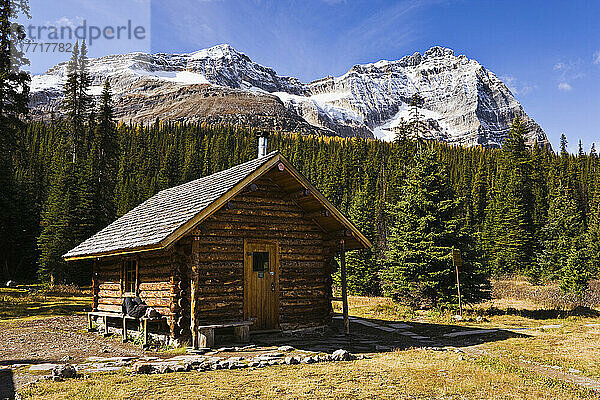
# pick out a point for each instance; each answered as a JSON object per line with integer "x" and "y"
{"x": 354, "y": 240}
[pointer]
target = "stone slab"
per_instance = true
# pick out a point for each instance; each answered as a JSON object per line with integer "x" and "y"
{"x": 43, "y": 367}
{"x": 469, "y": 333}
{"x": 400, "y": 326}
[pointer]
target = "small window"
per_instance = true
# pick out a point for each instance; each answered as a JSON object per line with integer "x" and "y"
{"x": 260, "y": 261}
{"x": 129, "y": 281}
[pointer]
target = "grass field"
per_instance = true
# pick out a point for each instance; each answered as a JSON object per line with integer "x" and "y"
{"x": 398, "y": 375}
{"x": 38, "y": 301}
{"x": 514, "y": 368}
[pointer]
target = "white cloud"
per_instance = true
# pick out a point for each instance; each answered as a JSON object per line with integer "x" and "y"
{"x": 564, "y": 86}
{"x": 516, "y": 86}
{"x": 66, "y": 21}
{"x": 597, "y": 57}
{"x": 568, "y": 72}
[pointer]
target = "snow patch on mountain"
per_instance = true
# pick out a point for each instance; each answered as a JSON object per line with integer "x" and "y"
{"x": 463, "y": 102}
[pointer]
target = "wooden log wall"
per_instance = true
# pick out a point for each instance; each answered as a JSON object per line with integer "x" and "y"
{"x": 157, "y": 283}
{"x": 304, "y": 274}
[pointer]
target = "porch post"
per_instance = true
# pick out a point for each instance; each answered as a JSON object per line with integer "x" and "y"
{"x": 194, "y": 291}
{"x": 344, "y": 286}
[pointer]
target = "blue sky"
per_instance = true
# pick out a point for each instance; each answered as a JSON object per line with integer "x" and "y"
{"x": 548, "y": 52}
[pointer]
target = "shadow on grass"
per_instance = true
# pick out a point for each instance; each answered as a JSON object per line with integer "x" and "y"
{"x": 544, "y": 314}
{"x": 7, "y": 384}
{"x": 367, "y": 336}
{"x": 21, "y": 361}
{"x": 18, "y": 308}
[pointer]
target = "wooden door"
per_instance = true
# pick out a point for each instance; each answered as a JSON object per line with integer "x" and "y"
{"x": 261, "y": 284}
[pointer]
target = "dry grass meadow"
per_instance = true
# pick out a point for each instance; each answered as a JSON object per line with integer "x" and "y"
{"x": 556, "y": 344}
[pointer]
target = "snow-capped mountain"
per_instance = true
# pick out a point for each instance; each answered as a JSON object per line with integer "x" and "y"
{"x": 464, "y": 103}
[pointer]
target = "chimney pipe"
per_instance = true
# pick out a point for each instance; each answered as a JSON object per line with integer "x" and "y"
{"x": 262, "y": 143}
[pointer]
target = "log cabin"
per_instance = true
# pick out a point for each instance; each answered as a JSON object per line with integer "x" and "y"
{"x": 255, "y": 242}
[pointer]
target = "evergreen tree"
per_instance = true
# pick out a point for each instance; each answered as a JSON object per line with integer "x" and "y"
{"x": 58, "y": 234}
{"x": 575, "y": 273}
{"x": 416, "y": 101}
{"x": 511, "y": 229}
{"x": 104, "y": 157}
{"x": 77, "y": 102}
{"x": 361, "y": 265}
{"x": 561, "y": 232}
{"x": 479, "y": 193}
{"x": 14, "y": 98}
{"x": 427, "y": 226}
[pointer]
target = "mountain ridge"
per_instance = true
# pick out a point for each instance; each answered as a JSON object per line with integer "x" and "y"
{"x": 464, "y": 103}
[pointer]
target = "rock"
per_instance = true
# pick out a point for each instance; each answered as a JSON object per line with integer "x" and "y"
{"x": 324, "y": 357}
{"x": 182, "y": 368}
{"x": 142, "y": 368}
{"x": 164, "y": 368}
{"x": 291, "y": 360}
{"x": 43, "y": 367}
{"x": 457, "y": 317}
{"x": 341, "y": 355}
{"x": 223, "y": 364}
{"x": 66, "y": 358}
{"x": 64, "y": 371}
{"x": 285, "y": 349}
{"x": 202, "y": 350}
{"x": 226, "y": 349}
{"x": 307, "y": 360}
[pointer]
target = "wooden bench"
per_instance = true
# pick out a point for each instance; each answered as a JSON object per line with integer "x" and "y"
{"x": 206, "y": 333}
{"x": 124, "y": 318}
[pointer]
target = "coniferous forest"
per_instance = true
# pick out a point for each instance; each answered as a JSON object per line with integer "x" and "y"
{"x": 518, "y": 210}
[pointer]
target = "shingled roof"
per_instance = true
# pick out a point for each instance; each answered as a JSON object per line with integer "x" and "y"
{"x": 170, "y": 213}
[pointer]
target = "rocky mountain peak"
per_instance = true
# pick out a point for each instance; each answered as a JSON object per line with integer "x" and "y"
{"x": 464, "y": 102}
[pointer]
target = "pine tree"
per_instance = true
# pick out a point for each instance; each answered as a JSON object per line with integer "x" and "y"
{"x": 14, "y": 98}
{"x": 416, "y": 101}
{"x": 361, "y": 265}
{"x": 426, "y": 227}
{"x": 512, "y": 227}
{"x": 575, "y": 273}
{"x": 592, "y": 240}
{"x": 104, "y": 156}
{"x": 563, "y": 229}
{"x": 58, "y": 233}
{"x": 479, "y": 193}
{"x": 77, "y": 102}
{"x": 71, "y": 101}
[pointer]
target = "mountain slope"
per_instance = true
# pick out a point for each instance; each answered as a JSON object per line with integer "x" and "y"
{"x": 464, "y": 102}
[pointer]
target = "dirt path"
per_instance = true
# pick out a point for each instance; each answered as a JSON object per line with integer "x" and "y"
{"x": 54, "y": 340}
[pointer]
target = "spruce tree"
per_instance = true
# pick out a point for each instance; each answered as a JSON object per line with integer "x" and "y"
{"x": 14, "y": 98}
{"x": 104, "y": 157}
{"x": 561, "y": 232}
{"x": 513, "y": 229}
{"x": 426, "y": 227}
{"x": 77, "y": 102}
{"x": 361, "y": 265}
{"x": 71, "y": 101}
{"x": 575, "y": 273}
{"x": 58, "y": 233}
